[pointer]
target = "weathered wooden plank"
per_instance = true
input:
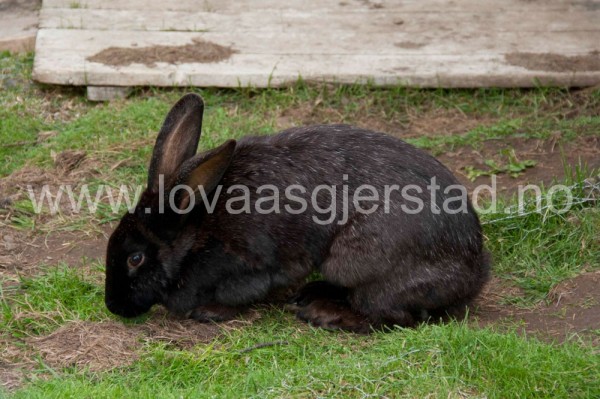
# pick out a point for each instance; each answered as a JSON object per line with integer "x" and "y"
{"x": 260, "y": 63}
{"x": 285, "y": 20}
{"x": 235, "y": 6}
{"x": 17, "y": 30}
{"x": 446, "y": 71}
{"x": 450, "y": 43}
{"x": 317, "y": 43}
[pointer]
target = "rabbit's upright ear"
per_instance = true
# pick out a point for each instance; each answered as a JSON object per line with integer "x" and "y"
{"x": 205, "y": 170}
{"x": 177, "y": 140}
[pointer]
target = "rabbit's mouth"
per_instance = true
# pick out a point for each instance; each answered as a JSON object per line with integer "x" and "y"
{"x": 128, "y": 310}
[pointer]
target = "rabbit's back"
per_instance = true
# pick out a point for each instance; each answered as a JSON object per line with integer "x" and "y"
{"x": 324, "y": 153}
{"x": 346, "y": 158}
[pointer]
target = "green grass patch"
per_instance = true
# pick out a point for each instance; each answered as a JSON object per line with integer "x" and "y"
{"x": 537, "y": 246}
{"x": 44, "y": 302}
{"x": 437, "y": 361}
{"x": 452, "y": 360}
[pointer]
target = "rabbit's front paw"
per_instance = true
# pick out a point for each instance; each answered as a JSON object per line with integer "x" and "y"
{"x": 332, "y": 315}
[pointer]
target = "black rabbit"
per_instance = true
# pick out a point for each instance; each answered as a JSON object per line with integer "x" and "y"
{"x": 408, "y": 254}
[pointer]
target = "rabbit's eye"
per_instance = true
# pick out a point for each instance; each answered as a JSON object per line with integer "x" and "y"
{"x": 135, "y": 260}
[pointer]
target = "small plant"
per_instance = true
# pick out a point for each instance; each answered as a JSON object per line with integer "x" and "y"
{"x": 513, "y": 166}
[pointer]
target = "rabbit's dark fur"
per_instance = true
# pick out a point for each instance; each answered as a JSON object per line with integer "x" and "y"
{"x": 383, "y": 268}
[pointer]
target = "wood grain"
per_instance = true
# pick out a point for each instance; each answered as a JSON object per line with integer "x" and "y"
{"x": 432, "y": 43}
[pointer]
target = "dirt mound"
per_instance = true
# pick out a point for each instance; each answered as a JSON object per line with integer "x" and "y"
{"x": 104, "y": 345}
{"x": 97, "y": 346}
{"x": 109, "y": 344}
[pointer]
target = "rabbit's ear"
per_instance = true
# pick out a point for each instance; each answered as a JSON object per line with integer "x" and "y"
{"x": 205, "y": 170}
{"x": 177, "y": 140}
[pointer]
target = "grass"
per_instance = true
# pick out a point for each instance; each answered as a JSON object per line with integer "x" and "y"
{"x": 537, "y": 250}
{"x": 439, "y": 361}
{"x": 532, "y": 251}
{"x": 126, "y": 129}
{"x": 452, "y": 360}
{"x": 49, "y": 300}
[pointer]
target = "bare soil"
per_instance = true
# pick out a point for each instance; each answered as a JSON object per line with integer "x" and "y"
{"x": 573, "y": 310}
{"x": 23, "y": 251}
{"x": 427, "y": 123}
{"x": 101, "y": 346}
{"x": 70, "y": 167}
{"x": 200, "y": 51}
{"x": 550, "y": 157}
{"x": 109, "y": 344}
